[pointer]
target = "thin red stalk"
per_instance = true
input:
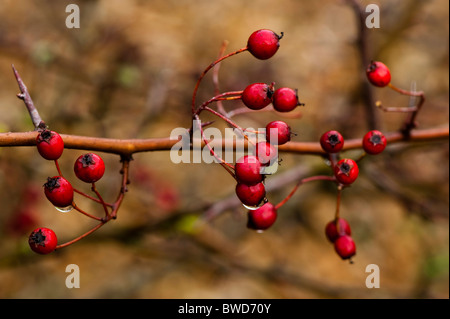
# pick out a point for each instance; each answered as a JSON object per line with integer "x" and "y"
{"x": 206, "y": 71}
{"x": 105, "y": 207}
{"x": 233, "y": 95}
{"x": 78, "y": 209}
{"x": 410, "y": 123}
{"x": 58, "y": 168}
{"x": 301, "y": 182}
{"x": 338, "y": 203}
{"x": 90, "y": 197}
{"x": 123, "y": 188}
{"x": 221, "y": 161}
{"x": 216, "y": 77}
{"x": 80, "y": 237}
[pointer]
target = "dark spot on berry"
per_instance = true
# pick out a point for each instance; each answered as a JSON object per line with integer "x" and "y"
{"x": 52, "y": 183}
{"x": 87, "y": 160}
{"x": 333, "y": 140}
{"x": 45, "y": 136}
{"x": 38, "y": 238}
{"x": 345, "y": 168}
{"x": 372, "y": 66}
{"x": 376, "y": 139}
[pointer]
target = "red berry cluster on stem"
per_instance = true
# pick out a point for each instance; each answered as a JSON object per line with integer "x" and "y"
{"x": 250, "y": 171}
{"x": 88, "y": 167}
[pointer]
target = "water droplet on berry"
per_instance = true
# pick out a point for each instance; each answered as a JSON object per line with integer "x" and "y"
{"x": 254, "y": 207}
{"x": 64, "y": 209}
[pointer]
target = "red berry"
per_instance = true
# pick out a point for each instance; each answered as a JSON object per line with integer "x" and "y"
{"x": 89, "y": 167}
{"x": 346, "y": 171}
{"x": 378, "y": 74}
{"x": 285, "y": 100}
{"x": 374, "y": 142}
{"x": 49, "y": 144}
{"x": 336, "y": 229}
{"x": 59, "y": 191}
{"x": 263, "y": 44}
{"x": 331, "y": 141}
{"x": 248, "y": 170}
{"x": 278, "y": 132}
{"x": 266, "y": 153}
{"x": 263, "y": 217}
{"x": 257, "y": 95}
{"x": 42, "y": 240}
{"x": 345, "y": 247}
{"x": 251, "y": 195}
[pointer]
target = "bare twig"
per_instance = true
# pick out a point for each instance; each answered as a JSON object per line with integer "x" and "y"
{"x": 25, "y": 96}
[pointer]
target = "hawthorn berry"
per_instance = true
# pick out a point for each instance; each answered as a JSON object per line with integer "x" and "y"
{"x": 49, "y": 144}
{"x": 257, "y": 95}
{"x": 337, "y": 228}
{"x": 251, "y": 195}
{"x": 374, "y": 142}
{"x": 263, "y": 44}
{"x": 345, "y": 247}
{"x": 89, "y": 167}
{"x": 346, "y": 171}
{"x": 42, "y": 240}
{"x": 378, "y": 74}
{"x": 266, "y": 152}
{"x": 285, "y": 99}
{"x": 248, "y": 170}
{"x": 332, "y": 141}
{"x": 58, "y": 191}
{"x": 278, "y": 132}
{"x": 263, "y": 217}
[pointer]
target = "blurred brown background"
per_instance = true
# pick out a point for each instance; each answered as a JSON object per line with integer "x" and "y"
{"x": 129, "y": 71}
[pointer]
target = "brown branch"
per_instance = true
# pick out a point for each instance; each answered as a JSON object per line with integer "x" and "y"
{"x": 127, "y": 147}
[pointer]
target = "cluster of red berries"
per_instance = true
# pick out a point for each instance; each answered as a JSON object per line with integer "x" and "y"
{"x": 58, "y": 190}
{"x": 250, "y": 175}
{"x": 249, "y": 170}
{"x": 346, "y": 172}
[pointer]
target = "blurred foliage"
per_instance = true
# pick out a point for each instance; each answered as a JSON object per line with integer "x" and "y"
{"x": 129, "y": 71}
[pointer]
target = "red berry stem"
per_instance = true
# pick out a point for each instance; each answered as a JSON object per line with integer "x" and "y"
{"x": 78, "y": 209}
{"x": 226, "y": 119}
{"x": 338, "y": 204}
{"x": 105, "y": 207}
{"x": 221, "y": 161}
{"x": 233, "y": 95}
{"x": 206, "y": 71}
{"x": 124, "y": 187}
{"x": 410, "y": 122}
{"x": 58, "y": 168}
{"x": 215, "y": 77}
{"x": 90, "y": 197}
{"x": 81, "y": 236}
{"x": 115, "y": 207}
{"x": 303, "y": 181}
